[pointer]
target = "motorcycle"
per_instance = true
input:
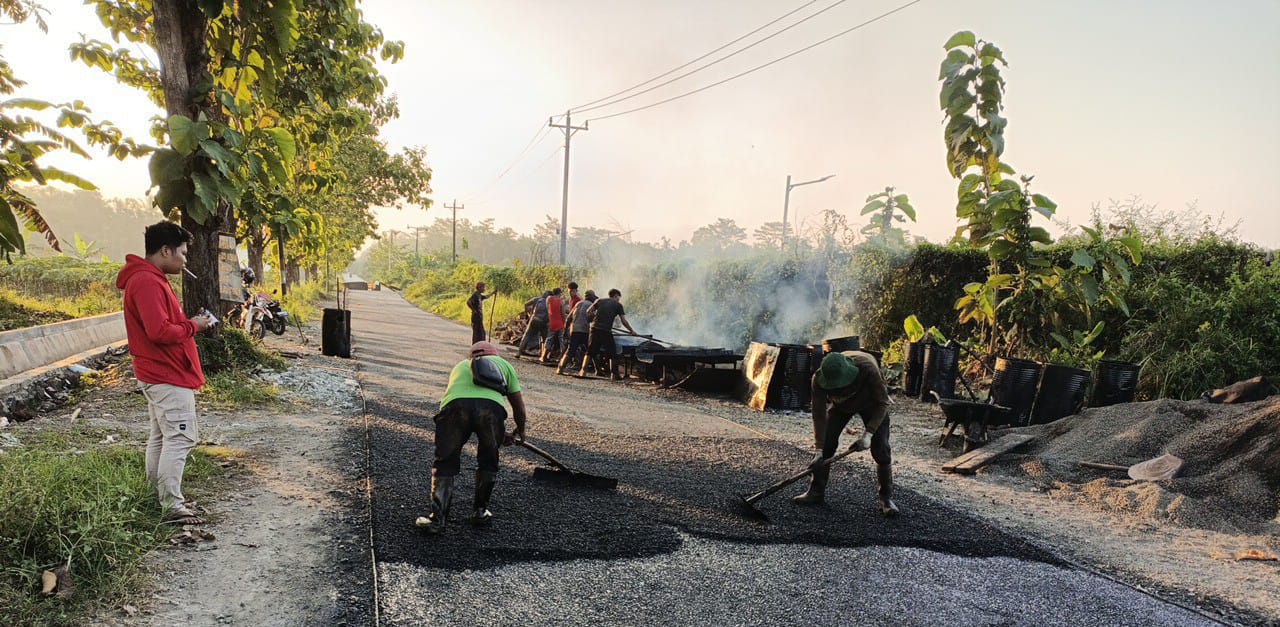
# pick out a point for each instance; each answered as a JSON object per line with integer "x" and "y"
{"x": 263, "y": 313}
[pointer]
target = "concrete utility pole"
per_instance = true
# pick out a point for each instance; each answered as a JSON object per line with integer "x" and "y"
{"x": 786, "y": 202}
{"x": 417, "y": 232}
{"x": 564, "y": 204}
{"x": 455, "y": 207}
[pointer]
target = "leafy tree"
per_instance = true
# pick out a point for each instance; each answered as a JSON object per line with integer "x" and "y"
{"x": 768, "y": 235}
{"x": 886, "y": 207}
{"x": 722, "y": 234}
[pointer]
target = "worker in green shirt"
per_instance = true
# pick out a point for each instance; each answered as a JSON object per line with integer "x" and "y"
{"x": 473, "y": 404}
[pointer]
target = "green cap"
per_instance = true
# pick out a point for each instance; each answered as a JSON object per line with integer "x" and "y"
{"x": 836, "y": 372}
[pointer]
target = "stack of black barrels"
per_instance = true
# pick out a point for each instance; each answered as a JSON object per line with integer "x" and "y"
{"x": 1034, "y": 393}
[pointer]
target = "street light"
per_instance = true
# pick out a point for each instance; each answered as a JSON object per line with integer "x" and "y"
{"x": 786, "y": 203}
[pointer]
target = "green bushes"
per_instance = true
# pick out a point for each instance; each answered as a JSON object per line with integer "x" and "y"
{"x": 59, "y": 277}
{"x": 444, "y": 291}
{"x": 1193, "y": 336}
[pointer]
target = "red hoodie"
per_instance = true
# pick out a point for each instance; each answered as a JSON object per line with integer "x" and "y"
{"x": 161, "y": 338}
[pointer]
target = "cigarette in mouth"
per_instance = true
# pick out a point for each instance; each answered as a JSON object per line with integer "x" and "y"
{"x": 190, "y": 273}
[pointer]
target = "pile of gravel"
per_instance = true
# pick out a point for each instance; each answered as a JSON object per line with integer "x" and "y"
{"x": 317, "y": 386}
{"x": 1230, "y": 480}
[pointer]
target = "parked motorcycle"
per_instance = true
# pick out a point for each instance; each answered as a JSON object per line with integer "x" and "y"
{"x": 263, "y": 313}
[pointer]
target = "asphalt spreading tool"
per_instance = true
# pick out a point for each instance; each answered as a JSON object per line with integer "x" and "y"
{"x": 565, "y": 474}
{"x": 745, "y": 504}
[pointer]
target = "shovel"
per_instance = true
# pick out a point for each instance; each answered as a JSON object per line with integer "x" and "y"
{"x": 1157, "y": 469}
{"x": 745, "y": 504}
{"x": 563, "y": 473}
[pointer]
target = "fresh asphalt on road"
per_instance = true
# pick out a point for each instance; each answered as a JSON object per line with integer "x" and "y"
{"x": 666, "y": 547}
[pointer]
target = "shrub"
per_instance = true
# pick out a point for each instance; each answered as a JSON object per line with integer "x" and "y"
{"x": 231, "y": 349}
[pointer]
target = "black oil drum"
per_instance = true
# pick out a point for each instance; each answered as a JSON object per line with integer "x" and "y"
{"x": 1114, "y": 382}
{"x": 939, "y": 371}
{"x": 335, "y": 333}
{"x": 913, "y": 367}
{"x": 1062, "y": 392}
{"x": 841, "y": 344}
{"x": 1014, "y": 386}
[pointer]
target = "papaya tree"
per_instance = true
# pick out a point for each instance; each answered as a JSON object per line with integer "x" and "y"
{"x": 887, "y": 208}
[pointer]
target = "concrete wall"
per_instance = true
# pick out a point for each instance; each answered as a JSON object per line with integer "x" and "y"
{"x": 33, "y": 347}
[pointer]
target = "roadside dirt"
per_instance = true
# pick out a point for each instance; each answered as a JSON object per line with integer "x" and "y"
{"x": 289, "y": 520}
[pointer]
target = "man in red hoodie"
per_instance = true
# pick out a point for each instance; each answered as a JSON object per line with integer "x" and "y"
{"x": 165, "y": 361}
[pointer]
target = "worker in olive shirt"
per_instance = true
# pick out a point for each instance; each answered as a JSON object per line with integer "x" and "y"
{"x": 846, "y": 384}
{"x": 470, "y": 407}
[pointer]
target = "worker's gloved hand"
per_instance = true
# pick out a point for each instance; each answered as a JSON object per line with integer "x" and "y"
{"x": 516, "y": 434}
{"x": 818, "y": 462}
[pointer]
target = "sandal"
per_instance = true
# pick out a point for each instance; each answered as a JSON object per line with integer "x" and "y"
{"x": 182, "y": 516}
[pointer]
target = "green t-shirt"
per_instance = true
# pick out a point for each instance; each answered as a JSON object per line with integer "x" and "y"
{"x": 461, "y": 385}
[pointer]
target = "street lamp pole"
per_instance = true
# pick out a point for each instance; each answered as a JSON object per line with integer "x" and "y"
{"x": 786, "y": 203}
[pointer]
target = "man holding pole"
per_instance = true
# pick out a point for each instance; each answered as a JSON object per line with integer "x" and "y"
{"x": 476, "y": 305}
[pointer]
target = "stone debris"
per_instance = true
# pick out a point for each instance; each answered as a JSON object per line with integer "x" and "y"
{"x": 317, "y": 386}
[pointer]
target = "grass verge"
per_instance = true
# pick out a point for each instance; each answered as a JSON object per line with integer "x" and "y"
{"x": 66, "y": 500}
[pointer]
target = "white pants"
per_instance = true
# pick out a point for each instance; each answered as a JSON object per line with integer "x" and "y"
{"x": 174, "y": 432}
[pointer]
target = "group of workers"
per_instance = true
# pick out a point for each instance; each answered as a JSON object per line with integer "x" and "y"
{"x": 577, "y": 329}
{"x": 846, "y": 384}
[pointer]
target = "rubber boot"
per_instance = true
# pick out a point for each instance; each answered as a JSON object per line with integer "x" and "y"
{"x": 884, "y": 475}
{"x": 817, "y": 492}
{"x": 441, "y": 495}
{"x": 480, "y": 514}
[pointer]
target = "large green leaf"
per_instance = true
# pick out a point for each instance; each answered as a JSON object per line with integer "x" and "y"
{"x": 1089, "y": 286}
{"x": 284, "y": 141}
{"x": 1038, "y": 234}
{"x": 989, "y": 53}
{"x": 182, "y": 134}
{"x": 962, "y": 38}
{"x": 174, "y": 194}
{"x": 10, "y": 234}
{"x": 905, "y": 207}
{"x": 955, "y": 61}
{"x": 1041, "y": 200}
{"x": 1083, "y": 259}
{"x": 1133, "y": 244}
{"x": 961, "y": 102}
{"x": 284, "y": 19}
{"x": 915, "y": 330}
{"x": 275, "y": 168}
{"x": 872, "y": 206}
{"x": 223, "y": 158}
{"x": 166, "y": 165}
{"x": 25, "y": 103}
{"x": 206, "y": 191}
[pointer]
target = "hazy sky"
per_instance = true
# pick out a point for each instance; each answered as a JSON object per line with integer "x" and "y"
{"x": 1172, "y": 100}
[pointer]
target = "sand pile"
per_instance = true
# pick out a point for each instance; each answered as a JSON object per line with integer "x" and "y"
{"x": 1230, "y": 481}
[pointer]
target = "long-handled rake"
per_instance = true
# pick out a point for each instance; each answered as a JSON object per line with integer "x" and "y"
{"x": 745, "y": 504}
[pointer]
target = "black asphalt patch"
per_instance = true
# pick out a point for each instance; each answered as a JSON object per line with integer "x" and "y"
{"x": 665, "y": 484}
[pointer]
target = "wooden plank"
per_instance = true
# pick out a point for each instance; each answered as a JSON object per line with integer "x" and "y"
{"x": 970, "y": 462}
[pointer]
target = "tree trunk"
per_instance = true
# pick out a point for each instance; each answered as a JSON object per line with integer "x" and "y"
{"x": 256, "y": 245}
{"x": 184, "y": 61}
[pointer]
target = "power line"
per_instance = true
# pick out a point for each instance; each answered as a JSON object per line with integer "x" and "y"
{"x": 675, "y": 69}
{"x": 717, "y": 60}
{"x": 760, "y": 67}
{"x": 538, "y": 136}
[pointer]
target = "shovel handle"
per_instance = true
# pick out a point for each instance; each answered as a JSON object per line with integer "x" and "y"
{"x": 796, "y": 477}
{"x": 543, "y": 454}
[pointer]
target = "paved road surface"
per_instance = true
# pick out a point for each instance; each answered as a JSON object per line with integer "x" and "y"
{"x": 666, "y": 547}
